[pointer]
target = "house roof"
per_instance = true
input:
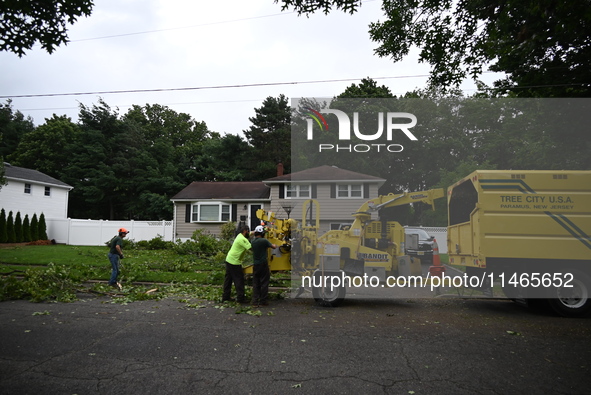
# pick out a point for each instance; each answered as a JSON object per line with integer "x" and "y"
{"x": 323, "y": 174}
{"x": 239, "y": 190}
{"x": 24, "y": 174}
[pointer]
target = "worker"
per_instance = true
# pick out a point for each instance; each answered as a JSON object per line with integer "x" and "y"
{"x": 115, "y": 255}
{"x": 234, "y": 272}
{"x": 260, "y": 270}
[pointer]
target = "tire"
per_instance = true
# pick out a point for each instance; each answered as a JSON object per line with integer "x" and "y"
{"x": 327, "y": 296}
{"x": 573, "y": 302}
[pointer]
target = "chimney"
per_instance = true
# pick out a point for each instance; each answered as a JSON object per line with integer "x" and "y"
{"x": 279, "y": 169}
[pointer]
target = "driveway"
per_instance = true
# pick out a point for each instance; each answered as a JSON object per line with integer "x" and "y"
{"x": 365, "y": 346}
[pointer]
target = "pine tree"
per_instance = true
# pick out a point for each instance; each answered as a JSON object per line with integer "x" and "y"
{"x": 42, "y": 227}
{"x": 10, "y": 229}
{"x": 3, "y": 231}
{"x": 26, "y": 229}
{"x": 18, "y": 227}
{"x": 34, "y": 228}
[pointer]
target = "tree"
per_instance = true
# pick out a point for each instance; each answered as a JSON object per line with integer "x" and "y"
{"x": 270, "y": 135}
{"x": 2, "y": 171}
{"x": 367, "y": 88}
{"x": 11, "y": 234}
{"x": 47, "y": 147}
{"x": 3, "y": 230}
{"x": 26, "y": 229}
{"x": 42, "y": 226}
{"x": 227, "y": 158}
{"x": 13, "y": 126}
{"x": 99, "y": 167}
{"x": 45, "y": 21}
{"x": 18, "y": 227}
{"x": 543, "y": 46}
{"x": 34, "y": 228}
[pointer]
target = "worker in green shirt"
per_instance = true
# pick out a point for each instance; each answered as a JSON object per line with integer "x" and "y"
{"x": 260, "y": 271}
{"x": 234, "y": 272}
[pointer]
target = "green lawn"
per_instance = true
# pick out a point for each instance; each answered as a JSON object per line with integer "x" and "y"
{"x": 59, "y": 272}
{"x": 91, "y": 263}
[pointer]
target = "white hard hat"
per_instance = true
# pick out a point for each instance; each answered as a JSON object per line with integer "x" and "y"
{"x": 259, "y": 229}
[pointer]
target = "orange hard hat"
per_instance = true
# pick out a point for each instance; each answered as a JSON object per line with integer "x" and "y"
{"x": 123, "y": 230}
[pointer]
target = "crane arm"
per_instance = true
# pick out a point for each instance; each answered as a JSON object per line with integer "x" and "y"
{"x": 400, "y": 199}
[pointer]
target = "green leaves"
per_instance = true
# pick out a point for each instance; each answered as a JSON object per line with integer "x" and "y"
{"x": 26, "y": 22}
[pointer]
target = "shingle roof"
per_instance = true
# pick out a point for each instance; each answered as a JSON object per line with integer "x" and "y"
{"x": 324, "y": 173}
{"x": 239, "y": 190}
{"x": 21, "y": 173}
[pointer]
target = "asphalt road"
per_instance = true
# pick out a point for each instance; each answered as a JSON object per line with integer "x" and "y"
{"x": 400, "y": 346}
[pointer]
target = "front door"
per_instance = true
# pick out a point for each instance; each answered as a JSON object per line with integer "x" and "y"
{"x": 254, "y": 221}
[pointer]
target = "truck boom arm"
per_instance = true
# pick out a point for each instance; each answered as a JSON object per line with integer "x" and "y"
{"x": 392, "y": 200}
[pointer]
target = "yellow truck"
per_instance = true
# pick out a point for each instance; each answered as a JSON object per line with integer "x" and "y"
{"x": 527, "y": 231}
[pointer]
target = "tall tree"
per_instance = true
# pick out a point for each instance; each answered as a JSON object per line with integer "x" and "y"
{"x": 3, "y": 230}
{"x": 26, "y": 229}
{"x": 47, "y": 147}
{"x": 543, "y": 46}
{"x": 13, "y": 126}
{"x": 42, "y": 226}
{"x": 99, "y": 170}
{"x": 227, "y": 158}
{"x": 45, "y": 21}
{"x": 18, "y": 227}
{"x": 270, "y": 135}
{"x": 10, "y": 231}
{"x": 34, "y": 228}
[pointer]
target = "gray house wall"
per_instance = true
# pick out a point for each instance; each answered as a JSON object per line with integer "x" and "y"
{"x": 184, "y": 230}
{"x": 332, "y": 210}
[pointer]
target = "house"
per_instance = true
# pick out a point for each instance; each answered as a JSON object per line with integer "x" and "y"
{"x": 207, "y": 205}
{"x": 339, "y": 192}
{"x": 31, "y": 192}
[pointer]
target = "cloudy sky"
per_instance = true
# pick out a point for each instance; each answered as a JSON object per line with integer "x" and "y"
{"x": 215, "y": 60}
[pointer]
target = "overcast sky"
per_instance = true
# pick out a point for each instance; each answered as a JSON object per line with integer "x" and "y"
{"x": 128, "y": 45}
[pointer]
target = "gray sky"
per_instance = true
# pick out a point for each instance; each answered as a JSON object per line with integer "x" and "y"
{"x": 130, "y": 45}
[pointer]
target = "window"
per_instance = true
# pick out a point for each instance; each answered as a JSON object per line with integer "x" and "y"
{"x": 349, "y": 191}
{"x": 47, "y": 191}
{"x": 340, "y": 226}
{"x": 210, "y": 212}
{"x": 297, "y": 191}
{"x": 28, "y": 188}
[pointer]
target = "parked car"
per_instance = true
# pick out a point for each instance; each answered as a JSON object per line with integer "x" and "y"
{"x": 426, "y": 245}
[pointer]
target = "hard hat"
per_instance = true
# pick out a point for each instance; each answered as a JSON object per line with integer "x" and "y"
{"x": 123, "y": 230}
{"x": 259, "y": 229}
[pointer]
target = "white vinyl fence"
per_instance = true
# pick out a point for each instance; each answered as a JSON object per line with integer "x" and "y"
{"x": 97, "y": 232}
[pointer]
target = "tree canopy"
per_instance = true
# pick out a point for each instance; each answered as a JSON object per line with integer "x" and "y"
{"x": 542, "y": 46}
{"x": 23, "y": 23}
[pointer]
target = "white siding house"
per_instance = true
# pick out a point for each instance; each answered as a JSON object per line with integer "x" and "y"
{"x": 32, "y": 192}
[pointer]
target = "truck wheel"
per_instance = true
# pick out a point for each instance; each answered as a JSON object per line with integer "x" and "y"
{"x": 328, "y": 296}
{"x": 575, "y": 301}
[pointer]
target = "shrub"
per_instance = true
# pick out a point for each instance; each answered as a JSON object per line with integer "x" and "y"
{"x": 26, "y": 229}
{"x": 3, "y": 231}
{"x": 202, "y": 244}
{"x": 34, "y": 228}
{"x": 42, "y": 227}
{"x": 157, "y": 243}
{"x": 51, "y": 283}
{"x": 228, "y": 230}
{"x": 18, "y": 228}
{"x": 10, "y": 229}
